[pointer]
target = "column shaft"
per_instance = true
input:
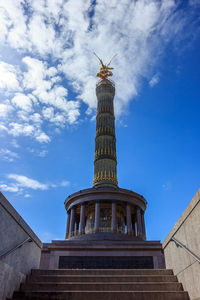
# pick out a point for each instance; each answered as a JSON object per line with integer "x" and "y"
{"x": 143, "y": 227}
{"x": 128, "y": 218}
{"x": 97, "y": 216}
{"x": 75, "y": 228}
{"x": 114, "y": 219}
{"x": 67, "y": 226}
{"x": 139, "y": 223}
{"x": 72, "y": 220}
{"x": 133, "y": 226}
{"x": 82, "y": 219}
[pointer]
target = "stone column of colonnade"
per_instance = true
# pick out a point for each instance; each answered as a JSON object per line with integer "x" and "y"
{"x": 70, "y": 228}
{"x": 97, "y": 216}
{"x": 72, "y": 221}
{"x": 114, "y": 217}
{"x": 143, "y": 227}
{"x": 128, "y": 218}
{"x": 82, "y": 219}
{"x": 67, "y": 226}
{"x": 139, "y": 223}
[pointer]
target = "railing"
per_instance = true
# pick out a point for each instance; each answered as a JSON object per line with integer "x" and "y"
{"x": 15, "y": 248}
{"x": 185, "y": 248}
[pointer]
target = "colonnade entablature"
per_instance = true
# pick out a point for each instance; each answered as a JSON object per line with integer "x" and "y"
{"x": 103, "y": 210}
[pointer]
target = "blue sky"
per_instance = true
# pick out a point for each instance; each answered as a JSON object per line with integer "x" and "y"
{"x": 48, "y": 104}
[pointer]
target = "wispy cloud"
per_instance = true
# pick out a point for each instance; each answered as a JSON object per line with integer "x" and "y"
{"x": 13, "y": 188}
{"x": 47, "y": 237}
{"x": 53, "y": 42}
{"x": 38, "y": 152}
{"x": 8, "y": 77}
{"x": 43, "y": 153}
{"x": 64, "y": 183}
{"x": 8, "y": 155}
{"x": 167, "y": 186}
{"x": 20, "y": 183}
{"x": 154, "y": 80}
{"x": 25, "y": 182}
{"x": 27, "y": 196}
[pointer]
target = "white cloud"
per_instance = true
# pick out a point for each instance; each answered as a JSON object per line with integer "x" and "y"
{"x": 3, "y": 128}
{"x": 13, "y": 24}
{"x": 8, "y": 155}
{"x": 22, "y": 101}
{"x": 25, "y": 129}
{"x": 36, "y": 118}
{"x": 167, "y": 186}
{"x": 38, "y": 152}
{"x": 43, "y": 82}
{"x": 21, "y": 129}
{"x": 8, "y": 77}
{"x": 15, "y": 144}
{"x": 5, "y": 109}
{"x": 64, "y": 183}
{"x": 57, "y": 39}
{"x": 21, "y": 183}
{"x": 154, "y": 80}
{"x": 43, "y": 153}
{"x": 42, "y": 137}
{"x": 42, "y": 34}
{"x": 27, "y": 196}
{"x": 25, "y": 182}
{"x": 35, "y": 76}
{"x": 48, "y": 112}
{"x": 9, "y": 188}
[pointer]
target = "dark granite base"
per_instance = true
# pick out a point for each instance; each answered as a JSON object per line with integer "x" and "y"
{"x": 105, "y": 262}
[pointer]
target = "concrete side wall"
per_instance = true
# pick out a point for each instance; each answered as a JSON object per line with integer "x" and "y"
{"x": 186, "y": 231}
{"x": 15, "y": 266}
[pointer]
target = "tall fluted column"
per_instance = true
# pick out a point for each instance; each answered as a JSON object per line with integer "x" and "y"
{"x": 67, "y": 225}
{"x": 114, "y": 219}
{"x": 139, "y": 222}
{"x": 105, "y": 162}
{"x": 97, "y": 216}
{"x": 82, "y": 219}
{"x": 128, "y": 218}
{"x": 72, "y": 221}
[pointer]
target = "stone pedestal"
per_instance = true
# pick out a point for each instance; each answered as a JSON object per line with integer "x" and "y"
{"x": 100, "y": 252}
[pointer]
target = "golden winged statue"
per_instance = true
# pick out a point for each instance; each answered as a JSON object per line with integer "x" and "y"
{"x": 105, "y": 69}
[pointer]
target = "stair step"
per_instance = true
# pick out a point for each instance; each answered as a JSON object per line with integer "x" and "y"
{"x": 102, "y": 278}
{"x": 99, "y": 295}
{"x": 102, "y": 272}
{"x": 90, "y": 286}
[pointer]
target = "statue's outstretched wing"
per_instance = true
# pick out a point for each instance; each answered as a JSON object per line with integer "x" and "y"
{"x": 111, "y": 60}
{"x": 101, "y": 62}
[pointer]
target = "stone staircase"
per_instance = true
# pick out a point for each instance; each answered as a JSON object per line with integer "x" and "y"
{"x": 106, "y": 284}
